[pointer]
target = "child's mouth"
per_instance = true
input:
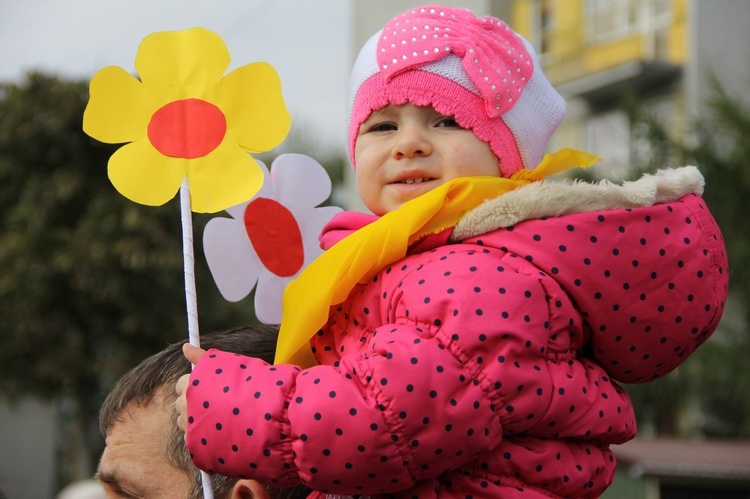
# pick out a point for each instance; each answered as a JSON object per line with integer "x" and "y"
{"x": 417, "y": 180}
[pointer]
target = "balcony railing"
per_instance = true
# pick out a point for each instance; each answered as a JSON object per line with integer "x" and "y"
{"x": 608, "y": 34}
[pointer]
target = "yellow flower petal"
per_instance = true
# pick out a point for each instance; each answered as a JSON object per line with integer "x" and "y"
{"x": 119, "y": 107}
{"x": 179, "y": 67}
{"x": 142, "y": 174}
{"x": 182, "y": 64}
{"x": 251, "y": 99}
{"x": 226, "y": 177}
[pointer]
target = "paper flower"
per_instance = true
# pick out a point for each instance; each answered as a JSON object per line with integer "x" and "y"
{"x": 184, "y": 119}
{"x": 272, "y": 237}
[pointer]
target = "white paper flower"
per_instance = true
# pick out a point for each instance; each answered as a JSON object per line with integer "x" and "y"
{"x": 273, "y": 236}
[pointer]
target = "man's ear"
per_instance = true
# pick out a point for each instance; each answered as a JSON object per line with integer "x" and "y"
{"x": 249, "y": 489}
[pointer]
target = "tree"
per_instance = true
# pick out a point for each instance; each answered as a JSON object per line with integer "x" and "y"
{"x": 90, "y": 282}
{"x": 718, "y": 374}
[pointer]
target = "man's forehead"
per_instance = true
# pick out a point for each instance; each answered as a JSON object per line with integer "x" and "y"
{"x": 140, "y": 425}
{"x": 133, "y": 457}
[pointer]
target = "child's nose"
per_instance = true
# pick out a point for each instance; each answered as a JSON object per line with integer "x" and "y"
{"x": 411, "y": 142}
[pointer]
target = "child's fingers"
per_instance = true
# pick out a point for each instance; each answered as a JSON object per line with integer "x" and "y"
{"x": 181, "y": 402}
{"x": 182, "y": 418}
{"x": 182, "y": 384}
{"x": 192, "y": 353}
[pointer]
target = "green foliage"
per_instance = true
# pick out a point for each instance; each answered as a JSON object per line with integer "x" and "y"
{"x": 718, "y": 374}
{"x": 90, "y": 282}
{"x": 723, "y": 147}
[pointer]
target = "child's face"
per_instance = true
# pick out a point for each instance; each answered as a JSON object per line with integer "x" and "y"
{"x": 405, "y": 151}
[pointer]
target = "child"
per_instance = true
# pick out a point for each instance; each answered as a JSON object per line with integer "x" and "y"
{"x": 479, "y": 319}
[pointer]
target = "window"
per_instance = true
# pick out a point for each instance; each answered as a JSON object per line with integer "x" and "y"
{"x": 613, "y": 19}
{"x": 608, "y": 136}
{"x": 542, "y": 26}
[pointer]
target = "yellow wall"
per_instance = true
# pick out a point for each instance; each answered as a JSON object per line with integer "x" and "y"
{"x": 678, "y": 46}
{"x": 571, "y": 57}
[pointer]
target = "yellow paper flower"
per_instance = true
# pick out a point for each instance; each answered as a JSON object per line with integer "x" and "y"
{"x": 183, "y": 118}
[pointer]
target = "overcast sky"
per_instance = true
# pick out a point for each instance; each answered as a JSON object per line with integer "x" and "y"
{"x": 306, "y": 41}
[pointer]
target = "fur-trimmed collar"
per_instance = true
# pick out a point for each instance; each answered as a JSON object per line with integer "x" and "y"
{"x": 554, "y": 198}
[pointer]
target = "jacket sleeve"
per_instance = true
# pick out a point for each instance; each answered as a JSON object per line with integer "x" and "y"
{"x": 378, "y": 422}
{"x": 237, "y": 418}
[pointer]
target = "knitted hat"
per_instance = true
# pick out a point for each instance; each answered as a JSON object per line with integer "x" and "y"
{"x": 477, "y": 70}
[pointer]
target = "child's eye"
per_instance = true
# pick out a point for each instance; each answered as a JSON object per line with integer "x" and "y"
{"x": 448, "y": 122}
{"x": 382, "y": 127}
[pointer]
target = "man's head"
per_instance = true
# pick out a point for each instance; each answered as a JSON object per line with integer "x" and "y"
{"x": 145, "y": 453}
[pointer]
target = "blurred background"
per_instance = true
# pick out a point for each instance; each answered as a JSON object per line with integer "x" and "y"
{"x": 91, "y": 283}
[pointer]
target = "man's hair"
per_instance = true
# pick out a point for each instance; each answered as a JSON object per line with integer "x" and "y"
{"x": 157, "y": 376}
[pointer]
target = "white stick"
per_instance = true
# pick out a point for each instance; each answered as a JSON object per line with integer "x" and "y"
{"x": 188, "y": 259}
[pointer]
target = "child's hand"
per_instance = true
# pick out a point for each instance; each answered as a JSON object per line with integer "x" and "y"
{"x": 193, "y": 354}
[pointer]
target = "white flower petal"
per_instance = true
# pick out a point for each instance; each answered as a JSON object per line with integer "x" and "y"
{"x": 231, "y": 258}
{"x": 269, "y": 296}
{"x": 288, "y": 172}
{"x": 238, "y": 211}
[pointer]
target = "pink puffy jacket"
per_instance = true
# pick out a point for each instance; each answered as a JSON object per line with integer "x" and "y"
{"x": 486, "y": 367}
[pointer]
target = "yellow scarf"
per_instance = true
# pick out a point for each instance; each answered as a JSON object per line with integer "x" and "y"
{"x": 329, "y": 279}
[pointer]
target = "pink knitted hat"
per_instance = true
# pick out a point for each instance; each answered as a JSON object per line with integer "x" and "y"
{"x": 477, "y": 70}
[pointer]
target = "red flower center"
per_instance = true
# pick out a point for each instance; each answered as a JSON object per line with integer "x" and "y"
{"x": 188, "y": 128}
{"x": 275, "y": 235}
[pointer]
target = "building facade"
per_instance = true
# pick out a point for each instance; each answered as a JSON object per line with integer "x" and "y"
{"x": 656, "y": 54}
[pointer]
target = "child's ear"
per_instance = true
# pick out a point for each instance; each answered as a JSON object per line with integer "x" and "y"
{"x": 249, "y": 489}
